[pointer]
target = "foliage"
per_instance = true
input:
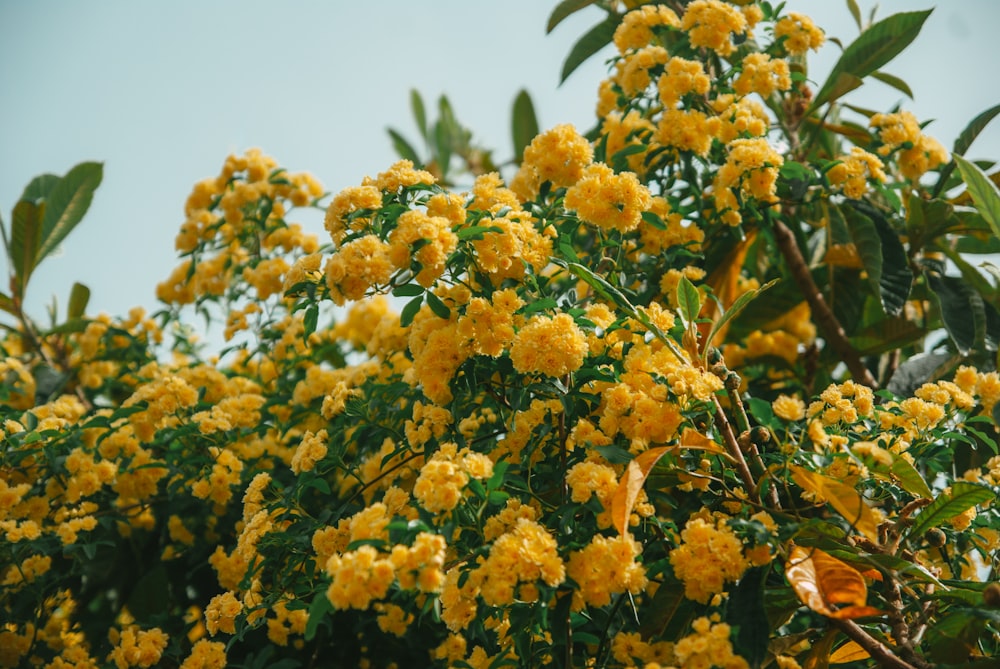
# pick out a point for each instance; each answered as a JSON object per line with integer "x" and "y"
{"x": 628, "y": 413}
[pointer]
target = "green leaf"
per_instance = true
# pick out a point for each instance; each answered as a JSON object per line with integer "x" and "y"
{"x": 873, "y": 49}
{"x": 40, "y": 187}
{"x": 976, "y": 126}
{"x": 25, "y": 240}
{"x": 79, "y": 296}
{"x": 310, "y": 319}
{"x": 402, "y": 147}
{"x": 852, "y": 5}
{"x": 442, "y": 142}
{"x": 565, "y": 9}
{"x": 983, "y": 191}
{"x": 688, "y": 300}
{"x": 745, "y": 613}
{"x": 734, "y": 310}
{"x": 318, "y": 609}
{"x": 957, "y": 302}
{"x": 524, "y": 124}
{"x": 895, "y": 82}
{"x": 437, "y": 306}
{"x": 898, "y": 469}
{"x": 419, "y": 112}
{"x": 593, "y": 41}
{"x": 963, "y": 496}
{"x": 408, "y": 290}
{"x": 410, "y": 310}
{"x": 6, "y": 303}
{"x": 882, "y": 255}
{"x": 668, "y": 609}
{"x": 66, "y": 204}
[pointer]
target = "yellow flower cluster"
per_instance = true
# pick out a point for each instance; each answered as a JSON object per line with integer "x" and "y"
{"x": 708, "y": 646}
{"x": 762, "y": 75}
{"x": 603, "y": 568}
{"x": 712, "y": 24}
{"x": 799, "y": 32}
{"x": 137, "y": 648}
{"x": 206, "y": 654}
{"x": 558, "y": 155}
{"x": 709, "y": 556}
{"x": 553, "y": 346}
{"x": 751, "y": 168}
{"x": 854, "y": 171}
{"x": 517, "y": 560}
{"x": 432, "y": 238}
{"x": 917, "y": 152}
{"x": 310, "y": 450}
{"x": 608, "y": 200}
{"x": 444, "y": 476}
{"x": 635, "y": 30}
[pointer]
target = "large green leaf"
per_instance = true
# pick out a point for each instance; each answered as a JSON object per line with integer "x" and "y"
{"x": 593, "y": 41}
{"x": 565, "y": 9}
{"x": 962, "y": 311}
{"x": 873, "y": 49}
{"x": 66, "y": 203}
{"x": 25, "y": 240}
{"x": 976, "y": 126}
{"x": 688, "y": 300}
{"x": 882, "y": 255}
{"x": 524, "y": 124}
{"x": 963, "y": 496}
{"x": 983, "y": 191}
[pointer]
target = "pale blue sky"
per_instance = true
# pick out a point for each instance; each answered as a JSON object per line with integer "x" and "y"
{"x": 161, "y": 92}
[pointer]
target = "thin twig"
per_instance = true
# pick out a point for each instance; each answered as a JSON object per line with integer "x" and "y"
{"x": 733, "y": 446}
{"x": 833, "y": 332}
{"x": 878, "y": 650}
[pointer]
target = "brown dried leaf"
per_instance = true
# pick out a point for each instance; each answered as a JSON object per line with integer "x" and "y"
{"x": 631, "y": 483}
{"x": 822, "y": 582}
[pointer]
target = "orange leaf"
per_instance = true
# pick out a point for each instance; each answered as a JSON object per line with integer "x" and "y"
{"x": 844, "y": 498}
{"x": 691, "y": 438}
{"x": 632, "y": 481}
{"x": 849, "y": 652}
{"x": 724, "y": 281}
{"x": 822, "y": 582}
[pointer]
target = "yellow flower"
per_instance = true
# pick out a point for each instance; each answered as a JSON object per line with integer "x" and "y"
{"x": 559, "y": 155}
{"x": 552, "y": 346}
{"x": 712, "y": 24}
{"x": 634, "y": 32}
{"x": 310, "y": 450}
{"x": 433, "y": 238}
{"x": 854, "y": 170}
{"x": 349, "y": 201}
{"x": 687, "y": 130}
{"x": 605, "y": 567}
{"x": 681, "y": 77}
{"x": 609, "y": 200}
{"x": 358, "y": 577}
{"x": 762, "y": 75}
{"x": 526, "y": 554}
{"x": 357, "y": 266}
{"x": 789, "y": 408}
{"x": 752, "y": 168}
{"x": 708, "y": 557}
{"x": 800, "y": 33}
{"x": 206, "y": 655}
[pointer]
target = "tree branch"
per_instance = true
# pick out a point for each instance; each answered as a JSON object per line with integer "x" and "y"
{"x": 878, "y": 650}
{"x": 832, "y": 331}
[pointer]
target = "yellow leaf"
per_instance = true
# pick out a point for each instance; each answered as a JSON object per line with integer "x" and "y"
{"x": 844, "y": 498}
{"x": 849, "y": 652}
{"x": 694, "y": 439}
{"x": 822, "y": 582}
{"x": 632, "y": 481}
{"x": 724, "y": 281}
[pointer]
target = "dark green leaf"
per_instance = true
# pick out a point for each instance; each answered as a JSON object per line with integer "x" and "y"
{"x": 983, "y": 191}
{"x": 976, "y": 126}
{"x": 151, "y": 593}
{"x": 419, "y": 112}
{"x": 6, "y": 303}
{"x": 25, "y": 240}
{"x": 688, "y": 300}
{"x": 66, "y": 204}
{"x": 895, "y": 82}
{"x": 524, "y": 124}
{"x": 408, "y": 290}
{"x": 437, "y": 306}
{"x": 318, "y": 609}
{"x": 963, "y": 496}
{"x": 745, "y": 613}
{"x": 40, "y": 187}
{"x": 402, "y": 147}
{"x": 667, "y": 606}
{"x": 957, "y": 302}
{"x": 410, "y": 310}
{"x": 882, "y": 255}
{"x": 918, "y": 370}
{"x": 873, "y": 49}
{"x": 593, "y": 41}
{"x": 79, "y": 296}
{"x": 564, "y": 9}
{"x": 310, "y": 319}
{"x": 476, "y": 231}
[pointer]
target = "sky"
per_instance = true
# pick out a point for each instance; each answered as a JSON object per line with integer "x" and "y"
{"x": 161, "y": 92}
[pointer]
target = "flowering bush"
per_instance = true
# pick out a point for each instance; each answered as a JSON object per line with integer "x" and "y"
{"x": 665, "y": 397}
